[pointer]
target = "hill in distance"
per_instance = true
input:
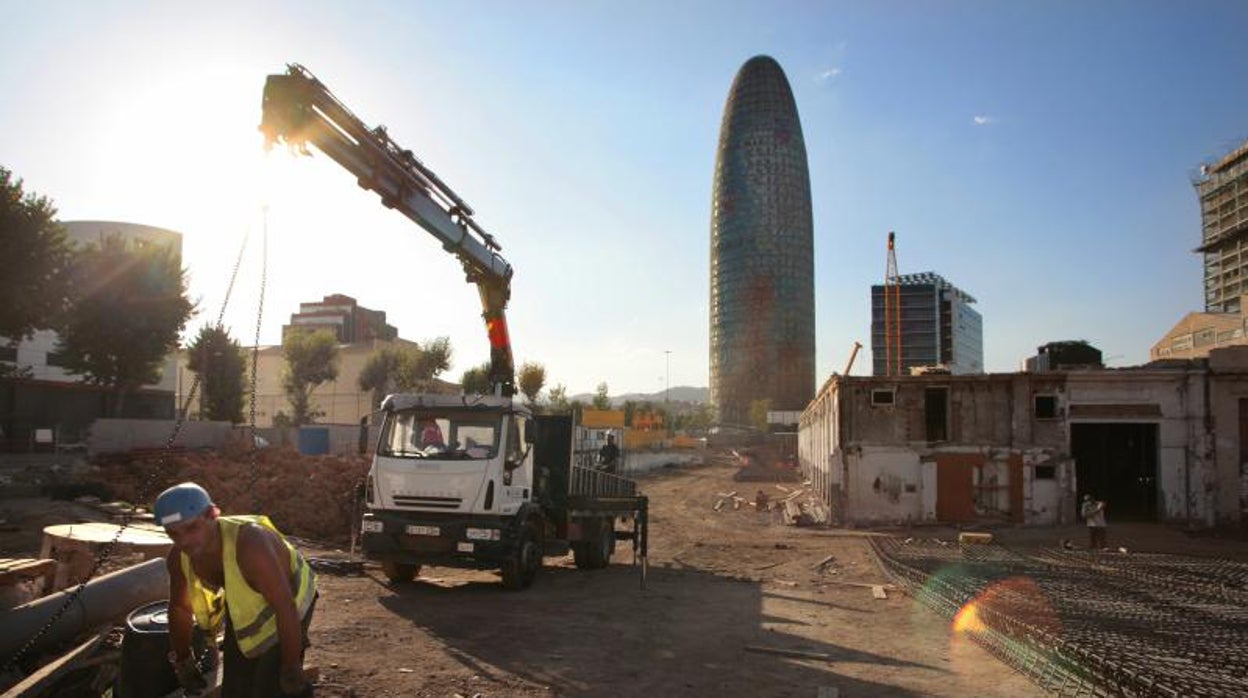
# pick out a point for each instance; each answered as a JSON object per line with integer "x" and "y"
{"x": 678, "y": 393}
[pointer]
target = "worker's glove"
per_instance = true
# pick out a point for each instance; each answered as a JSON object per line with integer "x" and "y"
{"x": 190, "y": 678}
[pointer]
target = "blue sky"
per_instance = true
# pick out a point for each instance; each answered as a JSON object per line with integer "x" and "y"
{"x": 1037, "y": 155}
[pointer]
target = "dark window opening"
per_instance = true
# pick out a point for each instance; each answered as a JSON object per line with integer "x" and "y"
{"x": 1045, "y": 406}
{"x": 1046, "y": 472}
{"x": 8, "y": 354}
{"x": 882, "y": 398}
{"x": 936, "y": 413}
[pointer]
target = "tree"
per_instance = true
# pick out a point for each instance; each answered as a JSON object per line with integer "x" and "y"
{"x": 422, "y": 364}
{"x": 630, "y": 410}
{"x": 311, "y": 359}
{"x": 405, "y": 368}
{"x": 35, "y": 282}
{"x": 559, "y": 399}
{"x": 476, "y": 380}
{"x": 218, "y": 361}
{"x": 758, "y": 413}
{"x": 532, "y": 378}
{"x": 601, "y": 400}
{"x": 129, "y": 305}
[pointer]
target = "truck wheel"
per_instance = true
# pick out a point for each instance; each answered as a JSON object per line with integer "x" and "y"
{"x": 520, "y": 569}
{"x": 400, "y": 572}
{"x": 595, "y": 553}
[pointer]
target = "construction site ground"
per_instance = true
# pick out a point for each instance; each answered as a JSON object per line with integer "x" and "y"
{"x": 733, "y": 600}
{"x": 737, "y": 602}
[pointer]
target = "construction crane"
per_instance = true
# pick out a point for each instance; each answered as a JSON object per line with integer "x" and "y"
{"x": 892, "y": 312}
{"x": 299, "y": 109}
{"x": 852, "y": 355}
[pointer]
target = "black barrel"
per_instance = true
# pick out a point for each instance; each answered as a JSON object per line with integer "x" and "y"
{"x": 145, "y": 668}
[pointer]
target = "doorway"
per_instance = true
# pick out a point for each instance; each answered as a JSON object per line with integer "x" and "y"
{"x": 1117, "y": 462}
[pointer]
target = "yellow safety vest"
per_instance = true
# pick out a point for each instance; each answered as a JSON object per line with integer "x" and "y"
{"x": 254, "y": 621}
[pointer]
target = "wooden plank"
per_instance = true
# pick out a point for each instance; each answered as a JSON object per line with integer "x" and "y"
{"x": 54, "y": 670}
{"x": 824, "y": 562}
{"x": 877, "y": 591}
{"x": 799, "y": 654}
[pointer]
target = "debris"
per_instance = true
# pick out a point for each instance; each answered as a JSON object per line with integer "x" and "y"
{"x": 975, "y": 538}
{"x": 877, "y": 591}
{"x": 785, "y": 582}
{"x": 720, "y": 504}
{"x": 769, "y": 566}
{"x": 405, "y": 670}
{"x": 824, "y": 562}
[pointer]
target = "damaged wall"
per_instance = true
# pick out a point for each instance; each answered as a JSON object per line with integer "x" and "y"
{"x": 1011, "y": 447}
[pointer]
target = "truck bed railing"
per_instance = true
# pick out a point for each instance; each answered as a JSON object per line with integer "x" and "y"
{"x": 592, "y": 482}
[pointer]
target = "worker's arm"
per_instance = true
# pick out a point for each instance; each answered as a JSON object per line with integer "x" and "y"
{"x": 181, "y": 617}
{"x": 265, "y": 564}
{"x": 181, "y": 620}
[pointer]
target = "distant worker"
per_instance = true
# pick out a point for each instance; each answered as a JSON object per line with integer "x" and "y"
{"x": 240, "y": 571}
{"x": 1094, "y": 515}
{"x": 609, "y": 455}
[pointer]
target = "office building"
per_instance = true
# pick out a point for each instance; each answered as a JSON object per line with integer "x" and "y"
{"x": 762, "y": 301}
{"x": 938, "y": 328}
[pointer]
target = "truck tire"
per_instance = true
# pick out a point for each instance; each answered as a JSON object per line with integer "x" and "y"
{"x": 595, "y": 552}
{"x": 520, "y": 569}
{"x": 400, "y": 572}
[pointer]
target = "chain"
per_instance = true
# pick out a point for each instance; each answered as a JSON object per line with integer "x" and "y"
{"x": 255, "y": 350}
{"x": 106, "y": 550}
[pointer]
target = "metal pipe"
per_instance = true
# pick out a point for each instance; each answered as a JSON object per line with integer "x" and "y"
{"x": 100, "y": 600}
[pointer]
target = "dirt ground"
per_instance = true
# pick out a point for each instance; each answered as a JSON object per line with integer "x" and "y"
{"x": 719, "y": 582}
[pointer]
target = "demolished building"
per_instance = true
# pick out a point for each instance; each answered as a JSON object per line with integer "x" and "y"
{"x": 1161, "y": 442}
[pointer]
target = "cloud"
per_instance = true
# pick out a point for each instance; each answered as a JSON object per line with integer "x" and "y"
{"x": 829, "y": 74}
{"x": 983, "y": 120}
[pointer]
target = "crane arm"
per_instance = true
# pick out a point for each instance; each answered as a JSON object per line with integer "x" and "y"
{"x": 299, "y": 109}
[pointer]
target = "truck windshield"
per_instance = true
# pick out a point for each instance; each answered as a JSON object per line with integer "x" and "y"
{"x": 441, "y": 435}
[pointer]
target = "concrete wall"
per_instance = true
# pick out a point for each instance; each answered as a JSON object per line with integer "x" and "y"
{"x": 120, "y": 435}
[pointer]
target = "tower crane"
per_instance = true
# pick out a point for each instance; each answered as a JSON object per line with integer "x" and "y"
{"x": 892, "y": 311}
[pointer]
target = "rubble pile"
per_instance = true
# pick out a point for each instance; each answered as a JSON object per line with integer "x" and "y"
{"x": 308, "y": 496}
{"x": 797, "y": 506}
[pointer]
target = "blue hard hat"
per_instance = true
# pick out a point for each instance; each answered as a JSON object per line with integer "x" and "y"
{"x": 181, "y": 503}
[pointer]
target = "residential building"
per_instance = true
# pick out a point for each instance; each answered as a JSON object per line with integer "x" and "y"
{"x": 938, "y": 327}
{"x": 350, "y": 322}
{"x": 762, "y": 302}
{"x": 1223, "y": 190}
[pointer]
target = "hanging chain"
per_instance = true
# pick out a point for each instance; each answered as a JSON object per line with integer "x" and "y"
{"x": 255, "y": 350}
{"x": 106, "y": 550}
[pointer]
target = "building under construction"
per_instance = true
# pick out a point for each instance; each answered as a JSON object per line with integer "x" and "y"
{"x": 933, "y": 325}
{"x": 1223, "y": 190}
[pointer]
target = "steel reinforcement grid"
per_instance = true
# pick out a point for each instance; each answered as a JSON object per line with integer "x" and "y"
{"x": 1086, "y": 623}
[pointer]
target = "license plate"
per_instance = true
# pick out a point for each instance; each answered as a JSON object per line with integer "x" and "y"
{"x": 464, "y": 547}
{"x": 371, "y": 526}
{"x": 414, "y": 530}
{"x": 481, "y": 534}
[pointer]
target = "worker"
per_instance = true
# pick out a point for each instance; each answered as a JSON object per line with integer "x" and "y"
{"x": 239, "y": 571}
{"x": 1094, "y": 515}
{"x": 609, "y": 454}
{"x": 431, "y": 435}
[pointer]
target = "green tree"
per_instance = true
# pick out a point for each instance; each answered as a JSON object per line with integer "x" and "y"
{"x": 35, "y": 280}
{"x": 379, "y": 373}
{"x": 476, "y": 380}
{"x": 602, "y": 401}
{"x": 532, "y": 379}
{"x": 218, "y": 361}
{"x": 558, "y": 399}
{"x": 129, "y": 306}
{"x": 311, "y": 359}
{"x": 758, "y": 413}
{"x": 420, "y": 366}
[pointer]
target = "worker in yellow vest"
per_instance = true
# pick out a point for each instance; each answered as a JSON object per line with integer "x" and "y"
{"x": 236, "y": 574}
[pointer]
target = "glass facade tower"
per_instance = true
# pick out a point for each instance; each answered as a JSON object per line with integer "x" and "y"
{"x": 762, "y": 305}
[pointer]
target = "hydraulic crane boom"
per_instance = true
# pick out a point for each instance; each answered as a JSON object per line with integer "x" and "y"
{"x": 298, "y": 109}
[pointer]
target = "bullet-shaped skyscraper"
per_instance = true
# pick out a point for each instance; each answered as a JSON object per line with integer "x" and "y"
{"x": 762, "y": 243}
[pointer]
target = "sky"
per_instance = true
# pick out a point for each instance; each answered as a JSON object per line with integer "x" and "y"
{"x": 1038, "y": 155}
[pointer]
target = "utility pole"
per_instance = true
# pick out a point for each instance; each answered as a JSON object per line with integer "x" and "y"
{"x": 667, "y": 376}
